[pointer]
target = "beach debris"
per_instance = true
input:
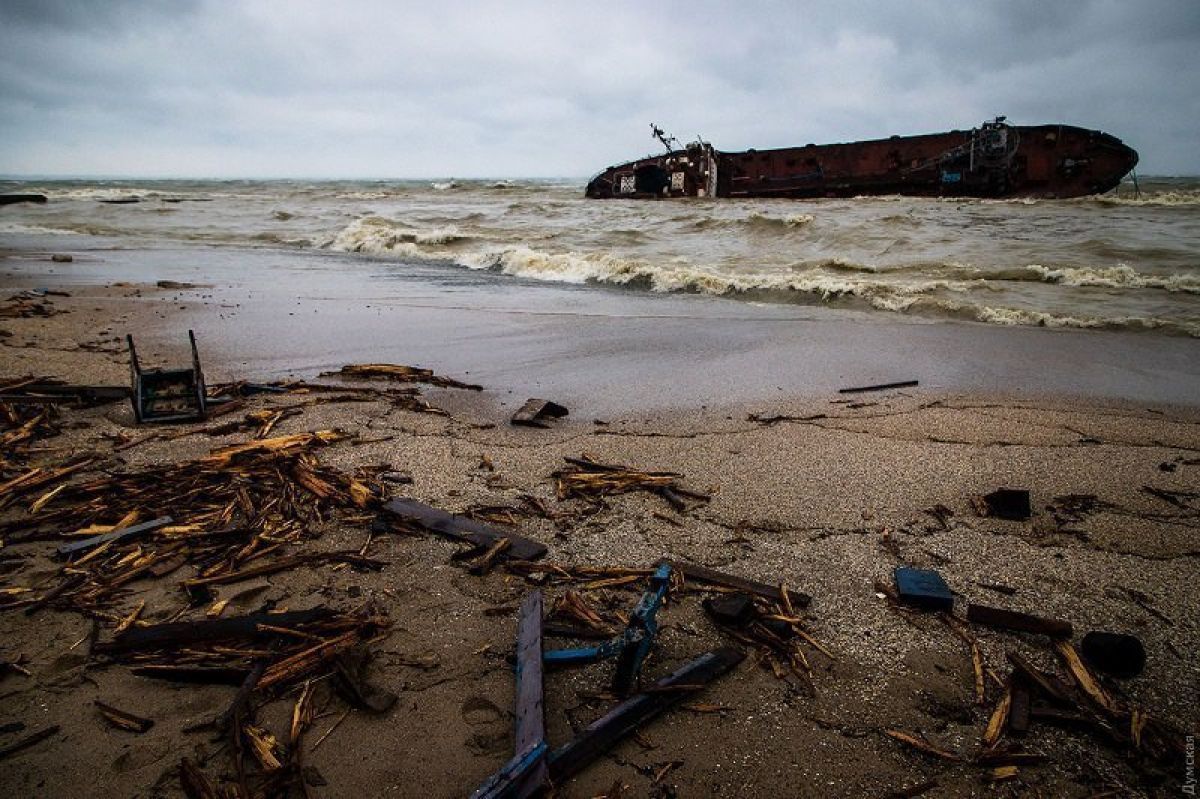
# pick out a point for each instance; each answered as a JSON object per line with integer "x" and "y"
{"x": 922, "y": 745}
{"x": 399, "y": 374}
{"x": 535, "y": 412}
{"x": 167, "y": 395}
{"x": 119, "y": 533}
{"x": 27, "y": 305}
{"x": 774, "y": 593}
{"x": 27, "y": 741}
{"x": 1047, "y": 686}
{"x": 484, "y": 537}
{"x": 734, "y": 610}
{"x": 62, "y": 258}
{"x": 526, "y": 772}
{"x": 768, "y": 421}
{"x": 1005, "y": 503}
{"x": 632, "y": 645}
{"x": 174, "y": 284}
{"x": 121, "y": 719}
{"x": 45, "y": 391}
{"x": 922, "y": 588}
{"x": 604, "y": 733}
{"x": 999, "y": 588}
{"x": 187, "y": 633}
{"x": 1020, "y": 622}
{"x": 1118, "y": 654}
{"x": 878, "y": 387}
{"x": 589, "y": 479}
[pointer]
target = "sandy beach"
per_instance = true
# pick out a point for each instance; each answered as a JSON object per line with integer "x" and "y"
{"x": 822, "y": 492}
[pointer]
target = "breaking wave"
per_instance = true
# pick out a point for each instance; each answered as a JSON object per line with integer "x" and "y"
{"x": 755, "y": 220}
{"x": 379, "y": 236}
{"x": 1155, "y": 198}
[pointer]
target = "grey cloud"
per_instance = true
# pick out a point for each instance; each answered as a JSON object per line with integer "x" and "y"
{"x": 383, "y": 89}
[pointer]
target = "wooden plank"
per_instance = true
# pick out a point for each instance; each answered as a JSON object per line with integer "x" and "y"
{"x": 530, "y": 708}
{"x": 1051, "y": 687}
{"x": 28, "y": 741}
{"x": 702, "y": 574}
{"x": 181, "y": 633}
{"x": 461, "y": 528}
{"x": 602, "y": 734}
{"x": 878, "y": 387}
{"x": 1020, "y": 622}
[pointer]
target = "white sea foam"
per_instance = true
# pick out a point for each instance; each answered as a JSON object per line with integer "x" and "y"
{"x": 1121, "y": 276}
{"x": 379, "y": 236}
{"x": 1023, "y": 317}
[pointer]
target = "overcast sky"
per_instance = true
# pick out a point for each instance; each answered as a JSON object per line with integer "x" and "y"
{"x": 391, "y": 89}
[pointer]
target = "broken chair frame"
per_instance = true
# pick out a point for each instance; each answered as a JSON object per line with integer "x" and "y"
{"x": 167, "y": 395}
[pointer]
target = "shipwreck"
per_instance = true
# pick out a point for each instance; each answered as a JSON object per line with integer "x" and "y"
{"x": 995, "y": 159}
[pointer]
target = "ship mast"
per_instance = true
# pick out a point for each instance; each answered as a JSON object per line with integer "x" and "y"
{"x": 666, "y": 140}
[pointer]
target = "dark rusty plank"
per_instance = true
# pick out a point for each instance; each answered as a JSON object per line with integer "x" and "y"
{"x": 1019, "y": 622}
{"x": 462, "y": 528}
{"x": 702, "y": 574}
{"x": 602, "y": 734}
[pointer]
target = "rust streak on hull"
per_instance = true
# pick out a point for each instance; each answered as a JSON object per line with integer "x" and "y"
{"x": 993, "y": 160}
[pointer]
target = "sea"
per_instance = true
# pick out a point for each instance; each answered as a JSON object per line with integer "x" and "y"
{"x": 1129, "y": 260}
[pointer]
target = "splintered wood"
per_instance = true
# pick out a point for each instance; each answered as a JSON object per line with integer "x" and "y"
{"x": 232, "y": 513}
{"x": 588, "y": 479}
{"x": 400, "y": 374}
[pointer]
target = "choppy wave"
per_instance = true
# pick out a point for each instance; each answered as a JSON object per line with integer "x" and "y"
{"x": 1120, "y": 276}
{"x": 755, "y": 220}
{"x": 377, "y": 235}
{"x": 1096, "y": 263}
{"x": 1157, "y": 198}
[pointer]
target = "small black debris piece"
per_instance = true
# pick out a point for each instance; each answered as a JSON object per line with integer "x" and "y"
{"x": 1008, "y": 503}
{"x": 1117, "y": 654}
{"x": 734, "y": 610}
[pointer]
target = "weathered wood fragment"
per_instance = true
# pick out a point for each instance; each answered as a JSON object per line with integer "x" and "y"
{"x": 462, "y": 528}
{"x": 1020, "y": 622}
{"x": 1049, "y": 686}
{"x": 702, "y": 574}
{"x": 535, "y": 412}
{"x": 122, "y": 719}
{"x": 28, "y": 741}
{"x": 878, "y": 387}
{"x": 602, "y": 734}
{"x": 182, "y": 633}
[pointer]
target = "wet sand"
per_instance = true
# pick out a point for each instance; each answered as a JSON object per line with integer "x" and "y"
{"x": 826, "y": 502}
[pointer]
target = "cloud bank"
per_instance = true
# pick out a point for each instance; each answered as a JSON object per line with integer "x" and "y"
{"x": 266, "y": 88}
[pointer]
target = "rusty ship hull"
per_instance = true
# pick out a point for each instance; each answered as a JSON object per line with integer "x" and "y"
{"x": 995, "y": 160}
